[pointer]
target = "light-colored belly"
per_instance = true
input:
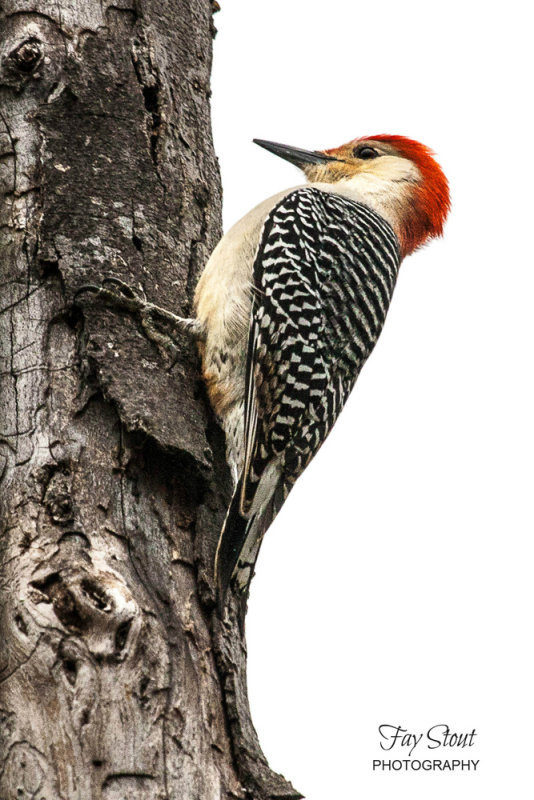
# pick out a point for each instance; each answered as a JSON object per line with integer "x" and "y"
{"x": 222, "y": 304}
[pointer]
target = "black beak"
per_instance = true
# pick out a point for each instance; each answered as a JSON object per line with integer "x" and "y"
{"x": 294, "y": 154}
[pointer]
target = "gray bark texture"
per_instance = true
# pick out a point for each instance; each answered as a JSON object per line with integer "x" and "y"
{"x": 117, "y": 679}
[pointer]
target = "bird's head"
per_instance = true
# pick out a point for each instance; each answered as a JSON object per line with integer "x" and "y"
{"x": 396, "y": 176}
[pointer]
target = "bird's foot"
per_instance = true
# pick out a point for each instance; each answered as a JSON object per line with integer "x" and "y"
{"x": 161, "y": 326}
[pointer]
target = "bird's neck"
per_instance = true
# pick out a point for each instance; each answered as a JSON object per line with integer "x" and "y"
{"x": 394, "y": 201}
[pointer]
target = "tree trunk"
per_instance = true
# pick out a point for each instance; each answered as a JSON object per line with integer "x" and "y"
{"x": 117, "y": 679}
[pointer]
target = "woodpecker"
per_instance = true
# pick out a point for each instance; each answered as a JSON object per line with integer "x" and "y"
{"x": 290, "y": 306}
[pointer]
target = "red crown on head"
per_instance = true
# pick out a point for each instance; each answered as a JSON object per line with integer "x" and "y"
{"x": 431, "y": 198}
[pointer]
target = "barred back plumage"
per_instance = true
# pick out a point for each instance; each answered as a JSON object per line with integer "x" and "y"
{"x": 324, "y": 274}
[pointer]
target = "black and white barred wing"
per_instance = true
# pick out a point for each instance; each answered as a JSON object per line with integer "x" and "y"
{"x": 323, "y": 278}
{"x": 324, "y": 274}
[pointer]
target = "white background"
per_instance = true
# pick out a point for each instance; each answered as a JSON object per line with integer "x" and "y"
{"x": 395, "y": 586}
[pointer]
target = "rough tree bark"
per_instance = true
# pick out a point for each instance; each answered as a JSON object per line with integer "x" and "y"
{"x": 116, "y": 678}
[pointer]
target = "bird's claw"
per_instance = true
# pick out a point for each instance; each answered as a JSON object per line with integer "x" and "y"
{"x": 123, "y": 296}
{"x": 161, "y": 326}
{"x": 124, "y": 289}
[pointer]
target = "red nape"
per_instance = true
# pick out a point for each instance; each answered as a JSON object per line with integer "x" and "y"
{"x": 431, "y": 199}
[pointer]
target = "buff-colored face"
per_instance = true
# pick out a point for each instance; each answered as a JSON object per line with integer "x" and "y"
{"x": 365, "y": 157}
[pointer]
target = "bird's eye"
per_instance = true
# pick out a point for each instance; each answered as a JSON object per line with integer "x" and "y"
{"x": 365, "y": 152}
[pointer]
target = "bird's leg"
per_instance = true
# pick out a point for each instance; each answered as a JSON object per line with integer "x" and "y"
{"x": 160, "y": 325}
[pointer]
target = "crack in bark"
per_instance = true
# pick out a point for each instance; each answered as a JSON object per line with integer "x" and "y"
{"x": 37, "y": 368}
{"x": 149, "y": 80}
{"x": 9, "y": 675}
{"x": 13, "y": 153}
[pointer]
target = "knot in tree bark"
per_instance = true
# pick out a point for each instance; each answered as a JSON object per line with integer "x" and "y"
{"x": 27, "y": 56}
{"x": 96, "y": 606}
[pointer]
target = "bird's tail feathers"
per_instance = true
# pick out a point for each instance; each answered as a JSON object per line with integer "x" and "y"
{"x": 240, "y": 541}
{"x": 231, "y": 540}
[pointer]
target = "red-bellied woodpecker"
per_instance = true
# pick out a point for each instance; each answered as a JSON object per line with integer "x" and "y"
{"x": 288, "y": 309}
{"x": 291, "y": 304}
